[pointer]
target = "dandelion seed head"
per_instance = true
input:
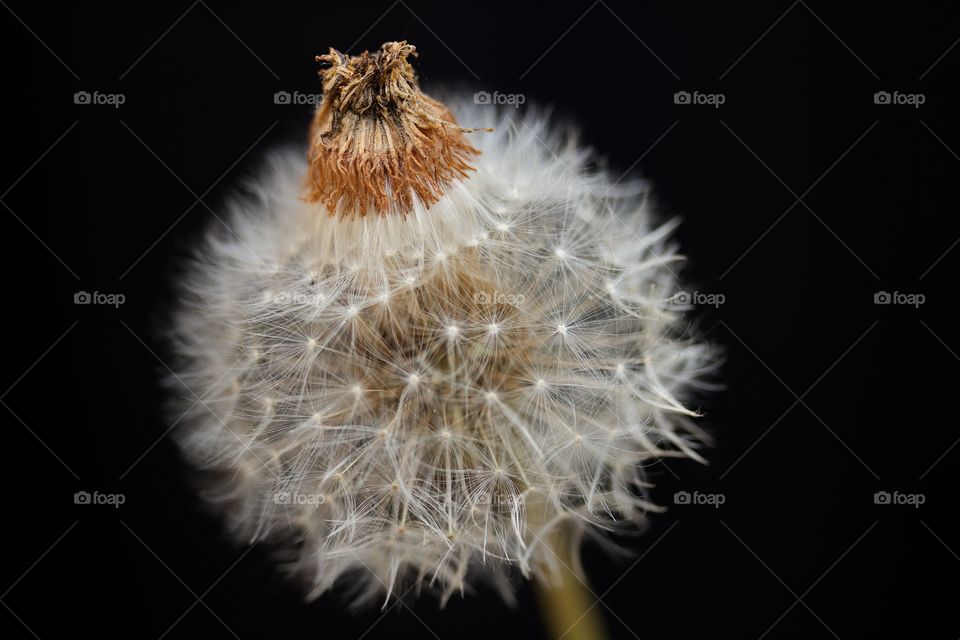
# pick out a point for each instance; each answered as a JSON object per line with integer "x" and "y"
{"x": 445, "y": 414}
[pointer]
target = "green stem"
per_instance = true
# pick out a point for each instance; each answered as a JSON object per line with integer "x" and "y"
{"x": 568, "y": 608}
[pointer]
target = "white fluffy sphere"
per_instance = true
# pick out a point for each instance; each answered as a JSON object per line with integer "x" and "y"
{"x": 422, "y": 400}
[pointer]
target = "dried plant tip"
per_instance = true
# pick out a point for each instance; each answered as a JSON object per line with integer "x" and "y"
{"x": 377, "y": 142}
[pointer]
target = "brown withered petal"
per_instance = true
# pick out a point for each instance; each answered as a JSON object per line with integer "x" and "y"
{"x": 376, "y": 141}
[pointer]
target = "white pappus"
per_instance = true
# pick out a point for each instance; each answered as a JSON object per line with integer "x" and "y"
{"x": 419, "y": 400}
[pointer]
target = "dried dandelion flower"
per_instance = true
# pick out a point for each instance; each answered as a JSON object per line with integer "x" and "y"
{"x": 377, "y": 142}
{"x": 421, "y": 372}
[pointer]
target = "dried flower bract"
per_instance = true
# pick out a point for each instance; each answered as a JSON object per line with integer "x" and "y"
{"x": 377, "y": 142}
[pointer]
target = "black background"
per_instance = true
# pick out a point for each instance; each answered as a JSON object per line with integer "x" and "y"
{"x": 801, "y": 199}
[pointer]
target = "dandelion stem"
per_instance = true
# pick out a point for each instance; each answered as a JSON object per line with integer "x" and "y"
{"x": 568, "y": 607}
